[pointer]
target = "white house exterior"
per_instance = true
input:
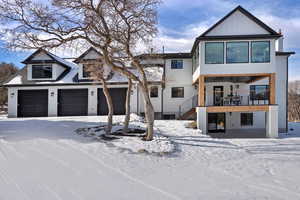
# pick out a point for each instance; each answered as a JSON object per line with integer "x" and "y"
{"x": 235, "y": 77}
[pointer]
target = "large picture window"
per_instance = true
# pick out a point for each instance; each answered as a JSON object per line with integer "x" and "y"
{"x": 246, "y": 119}
{"x": 178, "y": 92}
{"x": 214, "y": 53}
{"x": 259, "y": 92}
{"x": 41, "y": 71}
{"x": 237, "y": 52}
{"x": 260, "y": 51}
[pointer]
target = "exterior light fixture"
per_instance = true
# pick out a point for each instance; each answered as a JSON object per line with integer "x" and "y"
{"x": 12, "y": 95}
{"x": 92, "y": 93}
{"x": 52, "y": 94}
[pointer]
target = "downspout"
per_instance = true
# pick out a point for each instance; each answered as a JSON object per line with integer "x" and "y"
{"x": 163, "y": 86}
{"x": 137, "y": 100}
{"x": 287, "y": 93}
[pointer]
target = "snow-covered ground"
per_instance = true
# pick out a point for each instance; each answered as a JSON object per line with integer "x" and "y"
{"x": 43, "y": 159}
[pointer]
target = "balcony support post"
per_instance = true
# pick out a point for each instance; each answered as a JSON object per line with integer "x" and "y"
{"x": 272, "y": 87}
{"x": 201, "y": 91}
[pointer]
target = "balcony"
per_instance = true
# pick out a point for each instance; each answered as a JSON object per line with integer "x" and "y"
{"x": 236, "y": 92}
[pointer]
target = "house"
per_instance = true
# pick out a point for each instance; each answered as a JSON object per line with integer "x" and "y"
{"x": 234, "y": 78}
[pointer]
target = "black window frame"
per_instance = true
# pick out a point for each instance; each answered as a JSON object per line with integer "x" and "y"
{"x": 269, "y": 51}
{"x": 205, "y": 56}
{"x": 172, "y": 92}
{"x": 253, "y": 96}
{"x": 42, "y": 74}
{"x": 85, "y": 74}
{"x": 246, "y": 119}
{"x": 248, "y": 54}
{"x": 176, "y": 65}
{"x": 151, "y": 90}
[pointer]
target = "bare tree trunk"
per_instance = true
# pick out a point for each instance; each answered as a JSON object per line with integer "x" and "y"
{"x": 127, "y": 115}
{"x": 110, "y": 107}
{"x": 149, "y": 112}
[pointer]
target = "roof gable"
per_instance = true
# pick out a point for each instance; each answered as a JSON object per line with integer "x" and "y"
{"x": 89, "y": 54}
{"x": 42, "y": 55}
{"x": 239, "y": 22}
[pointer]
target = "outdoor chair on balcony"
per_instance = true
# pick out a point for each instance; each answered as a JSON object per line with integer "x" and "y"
{"x": 236, "y": 100}
{"x": 227, "y": 101}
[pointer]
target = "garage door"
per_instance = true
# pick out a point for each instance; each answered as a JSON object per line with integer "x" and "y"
{"x": 72, "y": 102}
{"x": 118, "y": 96}
{"x": 32, "y": 103}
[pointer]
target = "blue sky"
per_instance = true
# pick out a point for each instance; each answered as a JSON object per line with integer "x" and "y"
{"x": 180, "y": 21}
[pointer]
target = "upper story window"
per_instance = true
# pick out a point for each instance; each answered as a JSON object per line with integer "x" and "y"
{"x": 85, "y": 72}
{"x": 259, "y": 92}
{"x": 178, "y": 92}
{"x": 41, "y": 71}
{"x": 153, "y": 91}
{"x": 176, "y": 64}
{"x": 260, "y": 51}
{"x": 214, "y": 52}
{"x": 237, "y": 52}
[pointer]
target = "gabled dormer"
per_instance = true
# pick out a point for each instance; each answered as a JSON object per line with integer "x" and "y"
{"x": 45, "y": 66}
{"x": 90, "y": 54}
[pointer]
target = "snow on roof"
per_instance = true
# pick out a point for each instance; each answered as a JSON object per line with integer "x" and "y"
{"x": 15, "y": 80}
{"x": 63, "y": 61}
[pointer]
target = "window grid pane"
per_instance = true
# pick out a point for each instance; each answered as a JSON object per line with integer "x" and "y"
{"x": 260, "y": 52}
{"x": 214, "y": 53}
{"x": 41, "y": 71}
{"x": 176, "y": 64}
{"x": 237, "y": 52}
{"x": 177, "y": 92}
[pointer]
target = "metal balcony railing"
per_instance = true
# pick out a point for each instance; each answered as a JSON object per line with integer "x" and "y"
{"x": 238, "y": 100}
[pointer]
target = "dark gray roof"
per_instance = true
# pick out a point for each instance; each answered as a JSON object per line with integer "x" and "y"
{"x": 165, "y": 55}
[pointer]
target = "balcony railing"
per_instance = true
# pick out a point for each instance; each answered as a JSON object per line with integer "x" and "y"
{"x": 238, "y": 100}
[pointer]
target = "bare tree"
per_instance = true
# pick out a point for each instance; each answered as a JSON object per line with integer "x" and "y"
{"x": 100, "y": 72}
{"x": 7, "y": 70}
{"x": 127, "y": 106}
{"x": 114, "y": 27}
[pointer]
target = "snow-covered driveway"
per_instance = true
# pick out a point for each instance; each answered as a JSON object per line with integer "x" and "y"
{"x": 43, "y": 159}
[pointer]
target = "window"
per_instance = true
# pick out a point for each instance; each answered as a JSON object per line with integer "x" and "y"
{"x": 169, "y": 116}
{"x": 42, "y": 71}
{"x": 214, "y": 53}
{"x": 85, "y": 72}
{"x": 176, "y": 64}
{"x": 260, "y": 52}
{"x": 246, "y": 119}
{"x": 153, "y": 91}
{"x": 259, "y": 92}
{"x": 178, "y": 92}
{"x": 237, "y": 52}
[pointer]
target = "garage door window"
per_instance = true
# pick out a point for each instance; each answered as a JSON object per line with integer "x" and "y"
{"x": 41, "y": 71}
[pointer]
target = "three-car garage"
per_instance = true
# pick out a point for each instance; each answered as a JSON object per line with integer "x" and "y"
{"x": 70, "y": 102}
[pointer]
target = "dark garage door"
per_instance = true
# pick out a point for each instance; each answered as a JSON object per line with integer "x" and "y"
{"x": 118, "y": 96}
{"x": 72, "y": 102}
{"x": 32, "y": 103}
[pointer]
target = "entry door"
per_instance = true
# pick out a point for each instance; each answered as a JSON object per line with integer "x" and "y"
{"x": 218, "y": 95}
{"x": 216, "y": 122}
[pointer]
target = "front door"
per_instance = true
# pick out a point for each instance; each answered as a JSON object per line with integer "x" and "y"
{"x": 216, "y": 122}
{"x": 218, "y": 95}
